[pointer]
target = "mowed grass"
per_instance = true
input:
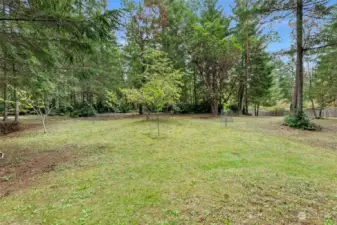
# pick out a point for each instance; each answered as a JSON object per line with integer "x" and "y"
{"x": 196, "y": 172}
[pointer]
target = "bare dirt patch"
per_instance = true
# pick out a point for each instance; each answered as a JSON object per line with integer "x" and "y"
{"x": 9, "y": 127}
{"x": 15, "y": 129}
{"x": 20, "y": 172}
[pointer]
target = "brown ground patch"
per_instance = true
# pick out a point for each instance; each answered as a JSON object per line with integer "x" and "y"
{"x": 7, "y": 127}
{"x": 14, "y": 129}
{"x": 20, "y": 171}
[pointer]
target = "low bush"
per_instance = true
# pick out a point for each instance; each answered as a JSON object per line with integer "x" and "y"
{"x": 87, "y": 110}
{"x": 183, "y": 108}
{"x": 233, "y": 108}
{"x": 300, "y": 121}
{"x": 62, "y": 111}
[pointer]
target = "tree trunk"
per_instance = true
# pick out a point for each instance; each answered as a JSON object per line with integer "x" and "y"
{"x": 44, "y": 124}
{"x": 57, "y": 103}
{"x": 17, "y": 105}
{"x": 310, "y": 95}
{"x": 241, "y": 90}
{"x": 140, "y": 109}
{"x": 313, "y": 108}
{"x": 256, "y": 109}
{"x": 74, "y": 98}
{"x": 69, "y": 98}
{"x": 5, "y": 98}
{"x": 83, "y": 97}
{"x": 246, "y": 102}
{"x": 16, "y": 97}
{"x": 246, "y": 67}
{"x": 5, "y": 113}
{"x": 195, "y": 88}
{"x": 158, "y": 123}
{"x": 320, "y": 112}
{"x": 297, "y": 99}
{"x": 240, "y": 97}
{"x": 214, "y": 106}
{"x": 46, "y": 105}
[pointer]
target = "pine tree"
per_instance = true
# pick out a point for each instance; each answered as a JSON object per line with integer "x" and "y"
{"x": 306, "y": 12}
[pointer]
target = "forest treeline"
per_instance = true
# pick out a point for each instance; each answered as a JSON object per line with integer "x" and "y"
{"x": 77, "y": 57}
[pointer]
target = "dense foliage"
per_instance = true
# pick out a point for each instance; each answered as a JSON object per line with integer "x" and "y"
{"x": 66, "y": 57}
{"x": 299, "y": 121}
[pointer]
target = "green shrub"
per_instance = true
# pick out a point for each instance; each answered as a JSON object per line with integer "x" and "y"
{"x": 299, "y": 121}
{"x": 62, "y": 110}
{"x": 175, "y": 109}
{"x": 124, "y": 106}
{"x": 87, "y": 110}
{"x": 53, "y": 113}
{"x": 102, "y": 107}
{"x": 75, "y": 114}
{"x": 186, "y": 108}
{"x": 233, "y": 108}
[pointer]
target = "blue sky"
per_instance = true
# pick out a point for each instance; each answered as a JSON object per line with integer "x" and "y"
{"x": 281, "y": 27}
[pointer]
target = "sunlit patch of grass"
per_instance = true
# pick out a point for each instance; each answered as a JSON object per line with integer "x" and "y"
{"x": 195, "y": 172}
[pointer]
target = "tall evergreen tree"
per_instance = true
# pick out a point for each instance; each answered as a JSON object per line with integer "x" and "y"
{"x": 304, "y": 12}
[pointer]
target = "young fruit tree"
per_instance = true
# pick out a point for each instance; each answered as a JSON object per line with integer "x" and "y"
{"x": 41, "y": 106}
{"x": 163, "y": 84}
{"x": 39, "y": 95}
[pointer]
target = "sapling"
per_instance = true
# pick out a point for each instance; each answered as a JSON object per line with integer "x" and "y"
{"x": 43, "y": 114}
{"x": 41, "y": 107}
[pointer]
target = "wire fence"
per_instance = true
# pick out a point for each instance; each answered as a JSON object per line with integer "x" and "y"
{"x": 326, "y": 113}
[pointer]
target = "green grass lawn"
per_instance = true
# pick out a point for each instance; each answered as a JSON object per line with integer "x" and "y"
{"x": 196, "y": 172}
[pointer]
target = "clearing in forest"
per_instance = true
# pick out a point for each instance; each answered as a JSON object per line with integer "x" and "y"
{"x": 254, "y": 171}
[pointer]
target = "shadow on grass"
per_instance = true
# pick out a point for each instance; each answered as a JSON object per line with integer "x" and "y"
{"x": 153, "y": 119}
{"x": 150, "y": 126}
